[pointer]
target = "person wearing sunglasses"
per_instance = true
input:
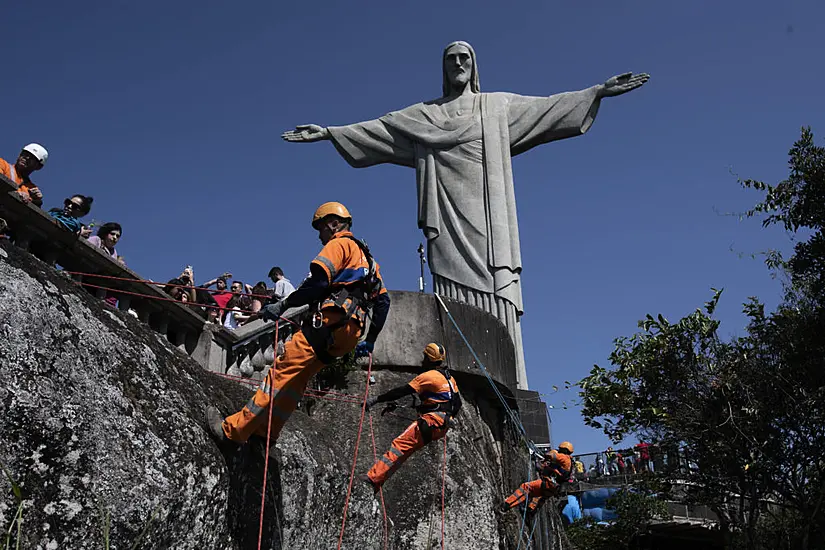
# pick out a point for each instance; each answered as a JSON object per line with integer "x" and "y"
{"x": 69, "y": 216}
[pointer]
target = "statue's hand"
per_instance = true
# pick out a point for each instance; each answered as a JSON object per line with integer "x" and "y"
{"x": 623, "y": 83}
{"x": 306, "y": 133}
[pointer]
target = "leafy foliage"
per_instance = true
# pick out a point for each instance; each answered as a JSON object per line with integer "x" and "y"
{"x": 798, "y": 203}
{"x": 749, "y": 412}
{"x": 334, "y": 376}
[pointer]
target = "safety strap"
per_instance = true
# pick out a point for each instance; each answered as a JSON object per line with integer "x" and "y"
{"x": 450, "y": 407}
{"x": 371, "y": 270}
{"x": 359, "y": 294}
{"x": 319, "y": 338}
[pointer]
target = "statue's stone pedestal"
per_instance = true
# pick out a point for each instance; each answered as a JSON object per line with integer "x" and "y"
{"x": 417, "y": 319}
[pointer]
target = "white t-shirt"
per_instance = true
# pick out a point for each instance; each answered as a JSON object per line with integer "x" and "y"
{"x": 230, "y": 321}
{"x": 283, "y": 288}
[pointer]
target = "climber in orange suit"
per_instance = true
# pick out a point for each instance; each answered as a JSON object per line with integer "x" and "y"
{"x": 440, "y": 403}
{"x": 555, "y": 470}
{"x": 343, "y": 286}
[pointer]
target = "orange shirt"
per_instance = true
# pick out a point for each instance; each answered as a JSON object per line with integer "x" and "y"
{"x": 558, "y": 465}
{"x": 23, "y": 186}
{"x": 433, "y": 387}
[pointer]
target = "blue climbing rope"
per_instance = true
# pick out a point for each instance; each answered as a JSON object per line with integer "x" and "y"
{"x": 513, "y": 417}
{"x": 526, "y": 501}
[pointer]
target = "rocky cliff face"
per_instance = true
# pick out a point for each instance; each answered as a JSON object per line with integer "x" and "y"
{"x": 102, "y": 428}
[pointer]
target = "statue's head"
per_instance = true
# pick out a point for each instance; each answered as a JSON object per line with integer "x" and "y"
{"x": 459, "y": 68}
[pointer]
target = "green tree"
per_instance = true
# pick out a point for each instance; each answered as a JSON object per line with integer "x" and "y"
{"x": 635, "y": 511}
{"x": 750, "y": 411}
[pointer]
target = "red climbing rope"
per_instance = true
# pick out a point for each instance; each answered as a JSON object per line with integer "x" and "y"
{"x": 156, "y": 283}
{"x": 443, "y": 486}
{"x": 268, "y": 437}
{"x": 380, "y": 490}
{"x": 355, "y": 455}
{"x": 161, "y": 299}
{"x": 339, "y": 397}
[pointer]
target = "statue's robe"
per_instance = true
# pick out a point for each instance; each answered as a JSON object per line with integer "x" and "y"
{"x": 466, "y": 197}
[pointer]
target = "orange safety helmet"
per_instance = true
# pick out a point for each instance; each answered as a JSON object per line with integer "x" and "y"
{"x": 567, "y": 446}
{"x": 331, "y": 209}
{"x": 435, "y": 352}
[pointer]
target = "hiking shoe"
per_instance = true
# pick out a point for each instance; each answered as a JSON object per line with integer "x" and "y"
{"x": 502, "y": 508}
{"x": 366, "y": 479}
{"x": 214, "y": 421}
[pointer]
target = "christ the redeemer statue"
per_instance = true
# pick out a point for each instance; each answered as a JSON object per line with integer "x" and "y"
{"x": 460, "y": 146}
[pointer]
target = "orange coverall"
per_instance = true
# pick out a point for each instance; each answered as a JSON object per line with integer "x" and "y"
{"x": 345, "y": 265}
{"x": 434, "y": 389}
{"x": 555, "y": 469}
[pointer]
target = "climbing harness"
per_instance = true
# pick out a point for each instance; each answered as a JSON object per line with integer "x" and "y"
{"x": 350, "y": 299}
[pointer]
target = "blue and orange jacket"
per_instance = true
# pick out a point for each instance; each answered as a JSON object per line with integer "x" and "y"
{"x": 434, "y": 389}
{"x": 347, "y": 267}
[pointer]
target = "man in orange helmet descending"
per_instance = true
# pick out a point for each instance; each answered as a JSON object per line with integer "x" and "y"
{"x": 344, "y": 284}
{"x": 555, "y": 470}
{"x": 440, "y": 403}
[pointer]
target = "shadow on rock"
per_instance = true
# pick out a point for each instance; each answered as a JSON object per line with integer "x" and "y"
{"x": 245, "y": 465}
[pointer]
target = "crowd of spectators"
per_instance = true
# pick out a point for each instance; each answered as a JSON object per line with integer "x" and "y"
{"x": 230, "y": 307}
{"x": 639, "y": 459}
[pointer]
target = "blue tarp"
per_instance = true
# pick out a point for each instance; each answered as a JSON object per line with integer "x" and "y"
{"x": 571, "y": 511}
{"x": 593, "y": 504}
{"x": 596, "y": 498}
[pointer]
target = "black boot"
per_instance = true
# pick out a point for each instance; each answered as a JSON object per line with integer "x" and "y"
{"x": 214, "y": 421}
{"x": 503, "y": 508}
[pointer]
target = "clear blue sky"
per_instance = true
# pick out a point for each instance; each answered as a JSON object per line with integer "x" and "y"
{"x": 169, "y": 114}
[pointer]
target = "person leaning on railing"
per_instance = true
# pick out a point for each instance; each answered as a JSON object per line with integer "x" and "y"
{"x": 31, "y": 159}
{"x": 108, "y": 235}
{"x": 182, "y": 287}
{"x": 69, "y": 216}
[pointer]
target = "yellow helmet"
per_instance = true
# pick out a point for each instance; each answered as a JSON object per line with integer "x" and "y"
{"x": 566, "y": 446}
{"x": 331, "y": 209}
{"x": 435, "y": 352}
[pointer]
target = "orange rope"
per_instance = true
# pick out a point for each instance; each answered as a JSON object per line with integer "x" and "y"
{"x": 188, "y": 304}
{"x": 268, "y": 436}
{"x": 381, "y": 489}
{"x": 355, "y": 455}
{"x": 443, "y": 487}
{"x": 151, "y": 282}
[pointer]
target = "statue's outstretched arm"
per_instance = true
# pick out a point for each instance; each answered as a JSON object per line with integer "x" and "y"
{"x": 621, "y": 84}
{"x": 306, "y": 133}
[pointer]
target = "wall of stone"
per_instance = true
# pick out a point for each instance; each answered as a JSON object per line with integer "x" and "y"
{"x": 101, "y": 414}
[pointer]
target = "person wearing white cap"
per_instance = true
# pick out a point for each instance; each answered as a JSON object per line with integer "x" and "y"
{"x": 31, "y": 158}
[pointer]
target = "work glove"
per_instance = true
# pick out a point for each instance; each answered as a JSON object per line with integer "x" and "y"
{"x": 371, "y": 401}
{"x": 389, "y": 408}
{"x": 272, "y": 312}
{"x": 364, "y": 348}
